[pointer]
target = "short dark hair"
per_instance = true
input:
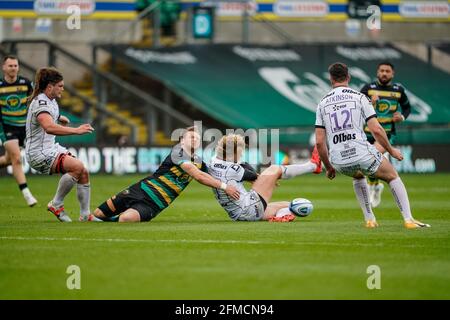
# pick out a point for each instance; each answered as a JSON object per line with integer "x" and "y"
{"x": 9, "y": 56}
{"x": 338, "y": 71}
{"x": 385, "y": 63}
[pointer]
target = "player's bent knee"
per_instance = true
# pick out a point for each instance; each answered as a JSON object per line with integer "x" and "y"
{"x": 359, "y": 177}
{"x": 15, "y": 160}
{"x": 272, "y": 170}
{"x": 78, "y": 169}
{"x": 391, "y": 176}
{"x": 84, "y": 176}
{"x": 129, "y": 218}
{"x": 99, "y": 213}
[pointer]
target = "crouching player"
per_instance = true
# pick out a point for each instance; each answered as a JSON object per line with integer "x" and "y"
{"x": 145, "y": 199}
{"x": 48, "y": 157}
{"x": 255, "y": 204}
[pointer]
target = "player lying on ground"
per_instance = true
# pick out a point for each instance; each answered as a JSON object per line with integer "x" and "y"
{"x": 255, "y": 204}
{"x": 14, "y": 91}
{"x": 340, "y": 120}
{"x": 48, "y": 157}
{"x": 145, "y": 199}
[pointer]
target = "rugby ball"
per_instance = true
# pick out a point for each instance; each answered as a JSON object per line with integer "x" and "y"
{"x": 301, "y": 207}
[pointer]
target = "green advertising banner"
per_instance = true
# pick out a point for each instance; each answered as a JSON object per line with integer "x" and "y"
{"x": 248, "y": 86}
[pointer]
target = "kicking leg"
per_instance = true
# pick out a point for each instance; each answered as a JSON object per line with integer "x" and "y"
{"x": 314, "y": 165}
{"x": 267, "y": 181}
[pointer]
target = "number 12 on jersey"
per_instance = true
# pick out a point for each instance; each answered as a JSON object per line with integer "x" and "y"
{"x": 341, "y": 116}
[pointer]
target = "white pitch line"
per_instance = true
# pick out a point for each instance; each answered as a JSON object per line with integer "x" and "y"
{"x": 208, "y": 241}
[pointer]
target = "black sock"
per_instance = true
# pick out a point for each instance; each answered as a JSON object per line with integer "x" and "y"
{"x": 23, "y": 186}
{"x": 111, "y": 219}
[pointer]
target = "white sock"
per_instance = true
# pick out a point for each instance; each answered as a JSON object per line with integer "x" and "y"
{"x": 401, "y": 197}
{"x": 66, "y": 184}
{"x": 26, "y": 192}
{"x": 362, "y": 194}
{"x": 282, "y": 212}
{"x": 84, "y": 198}
{"x": 294, "y": 170}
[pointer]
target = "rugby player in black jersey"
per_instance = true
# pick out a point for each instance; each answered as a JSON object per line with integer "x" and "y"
{"x": 392, "y": 106}
{"x": 145, "y": 199}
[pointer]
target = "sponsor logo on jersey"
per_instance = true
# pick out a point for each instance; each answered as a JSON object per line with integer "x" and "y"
{"x": 220, "y": 166}
{"x": 342, "y": 137}
{"x": 350, "y": 91}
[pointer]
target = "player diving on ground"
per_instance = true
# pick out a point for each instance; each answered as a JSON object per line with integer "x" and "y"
{"x": 145, "y": 199}
{"x": 253, "y": 205}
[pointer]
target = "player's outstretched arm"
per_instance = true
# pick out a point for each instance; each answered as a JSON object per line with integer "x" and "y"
{"x": 46, "y": 122}
{"x": 208, "y": 180}
{"x": 321, "y": 143}
{"x": 380, "y": 135}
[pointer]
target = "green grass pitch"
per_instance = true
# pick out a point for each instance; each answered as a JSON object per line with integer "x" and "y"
{"x": 193, "y": 251}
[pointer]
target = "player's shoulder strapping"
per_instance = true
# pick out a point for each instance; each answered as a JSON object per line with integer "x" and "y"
{"x": 365, "y": 88}
{"x": 40, "y": 104}
{"x": 23, "y": 80}
{"x": 398, "y": 87}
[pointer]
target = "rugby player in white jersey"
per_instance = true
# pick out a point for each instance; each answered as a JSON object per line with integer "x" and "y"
{"x": 45, "y": 155}
{"x": 253, "y": 205}
{"x": 342, "y": 144}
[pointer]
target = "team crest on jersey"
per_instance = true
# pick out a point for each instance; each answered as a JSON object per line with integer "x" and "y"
{"x": 13, "y": 101}
{"x": 383, "y": 106}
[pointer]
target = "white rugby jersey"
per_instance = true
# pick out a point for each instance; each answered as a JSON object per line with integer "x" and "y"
{"x": 37, "y": 140}
{"x": 231, "y": 173}
{"x": 343, "y": 113}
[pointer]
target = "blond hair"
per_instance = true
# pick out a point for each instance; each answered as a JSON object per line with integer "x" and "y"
{"x": 230, "y": 147}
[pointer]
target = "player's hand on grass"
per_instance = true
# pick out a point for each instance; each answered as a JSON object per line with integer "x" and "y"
{"x": 396, "y": 154}
{"x": 331, "y": 173}
{"x": 84, "y": 128}
{"x": 63, "y": 120}
{"x": 232, "y": 192}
